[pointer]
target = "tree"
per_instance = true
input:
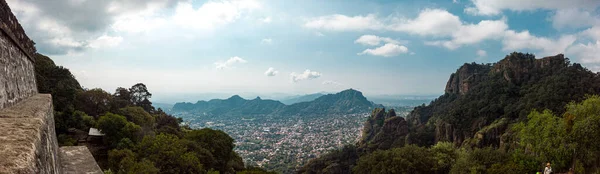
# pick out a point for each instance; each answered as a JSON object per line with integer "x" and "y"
{"x": 94, "y": 102}
{"x": 583, "y": 126}
{"x": 122, "y": 98}
{"x": 138, "y": 116}
{"x": 169, "y": 154}
{"x": 445, "y": 156}
{"x": 57, "y": 81}
{"x": 217, "y": 142}
{"x": 116, "y": 127}
{"x": 166, "y": 123}
{"x": 477, "y": 160}
{"x": 125, "y": 161}
{"x": 140, "y": 96}
{"x": 408, "y": 159}
{"x": 545, "y": 135}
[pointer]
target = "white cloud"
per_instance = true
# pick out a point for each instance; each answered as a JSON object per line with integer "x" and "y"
{"x": 586, "y": 53}
{"x": 338, "y": 22}
{"x": 436, "y": 22}
{"x": 138, "y": 23}
{"x": 387, "y": 50}
{"x": 523, "y": 40}
{"x": 229, "y": 63}
{"x": 593, "y": 32}
{"x": 332, "y": 83}
{"x": 495, "y": 7}
{"x": 481, "y": 53}
{"x": 573, "y": 18}
{"x": 61, "y": 27}
{"x": 319, "y": 34}
{"x": 271, "y": 72}
{"x": 105, "y": 41}
{"x": 373, "y": 40}
{"x": 474, "y": 33}
{"x": 306, "y": 75}
{"x": 266, "y": 41}
{"x": 212, "y": 14}
{"x": 266, "y": 20}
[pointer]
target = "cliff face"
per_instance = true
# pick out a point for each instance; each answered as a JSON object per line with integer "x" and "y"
{"x": 482, "y": 99}
{"x": 383, "y": 130}
{"x": 465, "y": 76}
{"x": 517, "y": 70}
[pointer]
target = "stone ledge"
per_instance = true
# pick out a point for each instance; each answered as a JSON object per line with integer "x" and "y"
{"x": 27, "y": 137}
{"x": 78, "y": 159}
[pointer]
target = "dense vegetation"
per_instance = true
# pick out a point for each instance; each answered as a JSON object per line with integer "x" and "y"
{"x": 567, "y": 141}
{"x": 488, "y": 121}
{"x": 345, "y": 102}
{"x": 138, "y": 138}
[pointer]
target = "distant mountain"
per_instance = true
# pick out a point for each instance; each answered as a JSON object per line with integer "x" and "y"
{"x": 301, "y": 98}
{"x": 345, "y": 102}
{"x": 164, "y": 106}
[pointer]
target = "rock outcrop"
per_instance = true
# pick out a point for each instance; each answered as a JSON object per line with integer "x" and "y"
{"x": 465, "y": 76}
{"x": 383, "y": 130}
{"x": 517, "y": 69}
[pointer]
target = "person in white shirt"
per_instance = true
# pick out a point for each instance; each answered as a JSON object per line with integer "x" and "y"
{"x": 548, "y": 169}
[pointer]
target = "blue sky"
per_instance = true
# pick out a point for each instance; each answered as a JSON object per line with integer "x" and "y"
{"x": 181, "y": 47}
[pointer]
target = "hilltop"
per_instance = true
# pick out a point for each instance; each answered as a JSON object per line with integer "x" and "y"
{"x": 301, "y": 98}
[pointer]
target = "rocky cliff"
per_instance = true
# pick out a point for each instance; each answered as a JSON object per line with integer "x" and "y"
{"x": 383, "y": 130}
{"x": 464, "y": 78}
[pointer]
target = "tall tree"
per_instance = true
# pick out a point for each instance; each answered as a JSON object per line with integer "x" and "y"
{"x": 94, "y": 102}
{"x": 140, "y": 96}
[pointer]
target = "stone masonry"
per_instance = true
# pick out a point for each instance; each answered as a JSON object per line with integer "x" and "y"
{"x": 28, "y": 142}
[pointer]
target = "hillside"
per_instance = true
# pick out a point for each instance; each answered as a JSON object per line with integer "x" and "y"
{"x": 345, "y": 102}
{"x": 483, "y": 99}
{"x": 301, "y": 98}
{"x": 480, "y": 105}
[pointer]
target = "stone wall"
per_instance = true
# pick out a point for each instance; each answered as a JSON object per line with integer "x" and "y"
{"x": 78, "y": 159}
{"x": 27, "y": 137}
{"x": 17, "y": 73}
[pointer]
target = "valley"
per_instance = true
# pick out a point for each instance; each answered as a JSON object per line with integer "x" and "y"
{"x": 285, "y": 143}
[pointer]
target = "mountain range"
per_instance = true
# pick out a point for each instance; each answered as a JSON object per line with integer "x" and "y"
{"x": 345, "y": 102}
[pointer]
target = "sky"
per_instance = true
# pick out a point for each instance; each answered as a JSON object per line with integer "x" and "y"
{"x": 269, "y": 47}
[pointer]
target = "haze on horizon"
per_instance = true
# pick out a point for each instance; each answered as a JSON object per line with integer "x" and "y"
{"x": 268, "y": 47}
